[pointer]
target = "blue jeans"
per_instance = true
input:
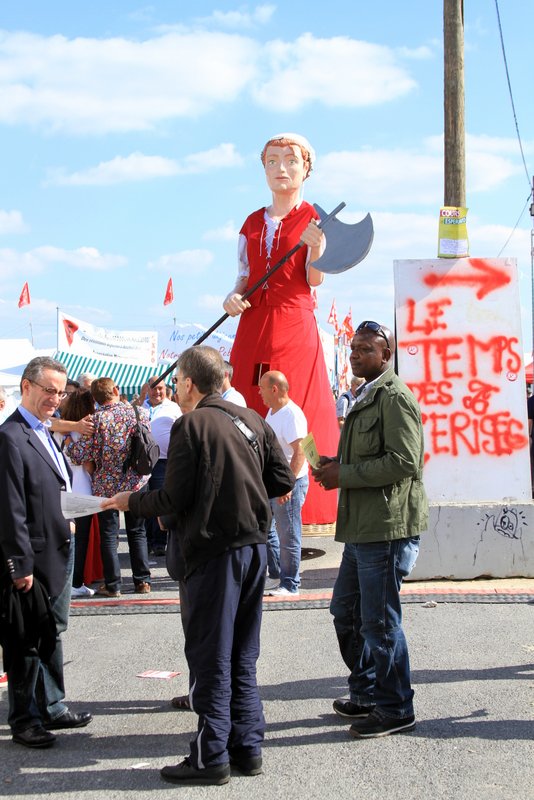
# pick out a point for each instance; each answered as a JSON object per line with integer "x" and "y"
{"x": 367, "y": 615}
{"x": 284, "y": 542}
{"x": 36, "y": 690}
{"x": 137, "y": 546}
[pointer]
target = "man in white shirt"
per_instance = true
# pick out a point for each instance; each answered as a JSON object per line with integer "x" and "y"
{"x": 285, "y": 537}
{"x": 163, "y": 414}
{"x": 227, "y": 390}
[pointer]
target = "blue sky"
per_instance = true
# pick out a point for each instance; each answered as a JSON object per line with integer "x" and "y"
{"x": 130, "y": 139}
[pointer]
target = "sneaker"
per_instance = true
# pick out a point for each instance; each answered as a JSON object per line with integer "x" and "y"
{"x": 103, "y": 591}
{"x": 247, "y": 765}
{"x": 281, "y": 591}
{"x": 375, "y": 725}
{"x": 185, "y": 773}
{"x": 271, "y": 583}
{"x": 350, "y": 710}
{"x": 81, "y": 591}
{"x": 3, "y": 679}
{"x": 143, "y": 588}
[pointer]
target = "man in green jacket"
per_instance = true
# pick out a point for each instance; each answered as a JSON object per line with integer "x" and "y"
{"x": 381, "y": 512}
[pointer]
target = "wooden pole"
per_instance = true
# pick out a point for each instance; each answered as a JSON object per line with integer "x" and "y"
{"x": 454, "y": 102}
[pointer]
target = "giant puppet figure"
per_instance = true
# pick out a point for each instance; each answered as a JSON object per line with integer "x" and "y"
{"x": 277, "y": 329}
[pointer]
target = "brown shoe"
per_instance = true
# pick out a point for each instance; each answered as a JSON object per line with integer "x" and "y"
{"x": 143, "y": 588}
{"x": 103, "y": 591}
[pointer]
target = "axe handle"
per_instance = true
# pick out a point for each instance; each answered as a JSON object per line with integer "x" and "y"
{"x": 252, "y": 289}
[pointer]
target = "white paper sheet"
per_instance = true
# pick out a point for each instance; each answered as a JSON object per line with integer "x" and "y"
{"x": 79, "y": 505}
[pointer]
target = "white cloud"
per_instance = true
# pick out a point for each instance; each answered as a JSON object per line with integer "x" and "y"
{"x": 260, "y": 15}
{"x": 37, "y": 260}
{"x": 186, "y": 262}
{"x": 87, "y": 85}
{"x": 139, "y": 167}
{"x": 96, "y": 86}
{"x": 12, "y": 222}
{"x": 225, "y": 233}
{"x": 384, "y": 178}
{"x": 339, "y": 72}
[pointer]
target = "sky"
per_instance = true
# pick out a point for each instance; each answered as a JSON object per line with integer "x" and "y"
{"x": 130, "y": 138}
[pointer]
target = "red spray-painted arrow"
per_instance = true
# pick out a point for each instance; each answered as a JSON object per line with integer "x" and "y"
{"x": 488, "y": 278}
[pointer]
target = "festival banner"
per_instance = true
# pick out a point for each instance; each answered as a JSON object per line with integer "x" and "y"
{"x": 134, "y": 347}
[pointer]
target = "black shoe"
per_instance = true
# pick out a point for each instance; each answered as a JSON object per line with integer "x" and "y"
{"x": 69, "y": 720}
{"x": 348, "y": 709}
{"x": 375, "y": 725}
{"x": 247, "y": 765}
{"x": 186, "y": 773}
{"x": 36, "y": 736}
{"x": 159, "y": 551}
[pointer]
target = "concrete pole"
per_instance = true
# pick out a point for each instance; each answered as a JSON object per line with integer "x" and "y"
{"x": 454, "y": 102}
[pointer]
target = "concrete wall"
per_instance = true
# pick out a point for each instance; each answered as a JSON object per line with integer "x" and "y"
{"x": 467, "y": 541}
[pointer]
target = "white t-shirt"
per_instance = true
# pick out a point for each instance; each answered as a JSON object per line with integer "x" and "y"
{"x": 162, "y": 418}
{"x": 289, "y": 424}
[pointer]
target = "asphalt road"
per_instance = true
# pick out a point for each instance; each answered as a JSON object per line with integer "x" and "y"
{"x": 473, "y": 674}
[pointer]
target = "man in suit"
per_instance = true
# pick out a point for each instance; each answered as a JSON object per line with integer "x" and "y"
{"x": 36, "y": 544}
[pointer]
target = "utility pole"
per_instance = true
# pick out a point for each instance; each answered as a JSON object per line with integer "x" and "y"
{"x": 454, "y": 102}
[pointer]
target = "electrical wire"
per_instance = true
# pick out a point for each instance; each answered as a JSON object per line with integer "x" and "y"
{"x": 510, "y": 92}
{"x": 515, "y": 226}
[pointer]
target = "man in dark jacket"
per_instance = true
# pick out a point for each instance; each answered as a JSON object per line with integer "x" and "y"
{"x": 36, "y": 543}
{"x": 218, "y": 482}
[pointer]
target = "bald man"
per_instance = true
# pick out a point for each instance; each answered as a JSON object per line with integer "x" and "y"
{"x": 285, "y": 537}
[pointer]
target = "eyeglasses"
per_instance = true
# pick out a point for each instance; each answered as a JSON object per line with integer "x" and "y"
{"x": 177, "y": 379}
{"x": 375, "y": 327}
{"x": 49, "y": 390}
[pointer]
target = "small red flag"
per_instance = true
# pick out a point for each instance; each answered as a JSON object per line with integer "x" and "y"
{"x": 70, "y": 329}
{"x": 346, "y": 325}
{"x": 169, "y": 294}
{"x": 332, "y": 317}
{"x": 24, "y": 299}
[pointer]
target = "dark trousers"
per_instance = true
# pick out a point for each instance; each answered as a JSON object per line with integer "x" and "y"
{"x": 156, "y": 538}
{"x": 222, "y": 645}
{"x": 109, "y": 542}
{"x": 83, "y": 532}
{"x": 36, "y": 690}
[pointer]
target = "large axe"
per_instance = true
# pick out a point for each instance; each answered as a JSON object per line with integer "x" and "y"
{"x": 346, "y": 246}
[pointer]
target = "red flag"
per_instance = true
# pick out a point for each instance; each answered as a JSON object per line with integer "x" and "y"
{"x": 169, "y": 294}
{"x": 346, "y": 325}
{"x": 70, "y": 329}
{"x": 24, "y": 299}
{"x": 332, "y": 317}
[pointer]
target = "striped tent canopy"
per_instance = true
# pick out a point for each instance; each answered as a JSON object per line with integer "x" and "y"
{"x": 128, "y": 377}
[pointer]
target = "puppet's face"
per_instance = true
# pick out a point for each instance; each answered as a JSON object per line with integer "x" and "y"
{"x": 285, "y": 168}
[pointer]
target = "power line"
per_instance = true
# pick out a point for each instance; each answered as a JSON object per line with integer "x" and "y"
{"x": 515, "y": 226}
{"x": 510, "y": 92}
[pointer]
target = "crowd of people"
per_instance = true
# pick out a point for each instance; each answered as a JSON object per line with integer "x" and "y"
{"x": 224, "y": 499}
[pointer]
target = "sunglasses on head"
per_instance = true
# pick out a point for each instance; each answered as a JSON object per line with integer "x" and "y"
{"x": 373, "y": 326}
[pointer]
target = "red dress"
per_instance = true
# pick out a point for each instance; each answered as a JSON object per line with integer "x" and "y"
{"x": 280, "y": 332}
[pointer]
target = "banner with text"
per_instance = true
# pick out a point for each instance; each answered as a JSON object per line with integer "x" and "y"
{"x": 80, "y": 337}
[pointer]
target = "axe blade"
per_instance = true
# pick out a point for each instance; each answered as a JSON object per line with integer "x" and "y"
{"x": 346, "y": 245}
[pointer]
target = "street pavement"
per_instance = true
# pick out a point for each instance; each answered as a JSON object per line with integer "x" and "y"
{"x": 472, "y": 654}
